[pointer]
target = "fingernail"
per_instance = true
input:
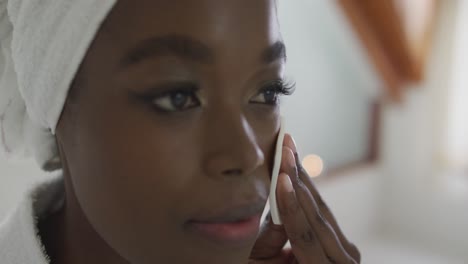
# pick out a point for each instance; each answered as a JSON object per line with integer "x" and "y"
{"x": 291, "y": 160}
{"x": 291, "y": 143}
{"x": 294, "y": 148}
{"x": 286, "y": 183}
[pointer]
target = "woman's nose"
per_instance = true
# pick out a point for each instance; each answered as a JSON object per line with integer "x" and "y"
{"x": 232, "y": 148}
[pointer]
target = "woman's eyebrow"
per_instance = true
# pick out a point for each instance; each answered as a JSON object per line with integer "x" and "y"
{"x": 172, "y": 45}
{"x": 188, "y": 48}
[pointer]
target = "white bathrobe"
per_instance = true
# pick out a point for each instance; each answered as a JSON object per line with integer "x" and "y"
{"x": 42, "y": 44}
{"x": 19, "y": 239}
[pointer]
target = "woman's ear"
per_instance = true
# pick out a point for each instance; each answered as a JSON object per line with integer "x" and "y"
{"x": 67, "y": 120}
{"x": 60, "y": 138}
{"x": 76, "y": 86}
{"x": 65, "y": 130}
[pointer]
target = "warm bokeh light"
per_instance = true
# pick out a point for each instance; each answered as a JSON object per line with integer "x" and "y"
{"x": 313, "y": 164}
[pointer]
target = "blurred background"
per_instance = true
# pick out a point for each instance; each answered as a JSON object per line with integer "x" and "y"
{"x": 380, "y": 116}
{"x": 382, "y": 98}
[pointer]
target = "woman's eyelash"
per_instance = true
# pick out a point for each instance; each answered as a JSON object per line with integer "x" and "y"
{"x": 165, "y": 90}
{"x": 271, "y": 91}
{"x": 282, "y": 87}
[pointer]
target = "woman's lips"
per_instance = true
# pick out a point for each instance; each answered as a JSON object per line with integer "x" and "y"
{"x": 234, "y": 225}
{"x": 235, "y": 232}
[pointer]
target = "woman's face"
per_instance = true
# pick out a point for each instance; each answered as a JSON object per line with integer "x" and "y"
{"x": 168, "y": 139}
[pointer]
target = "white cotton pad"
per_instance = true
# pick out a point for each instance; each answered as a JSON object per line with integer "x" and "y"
{"x": 274, "y": 177}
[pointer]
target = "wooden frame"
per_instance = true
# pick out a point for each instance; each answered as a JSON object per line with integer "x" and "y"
{"x": 373, "y": 151}
{"x": 381, "y": 27}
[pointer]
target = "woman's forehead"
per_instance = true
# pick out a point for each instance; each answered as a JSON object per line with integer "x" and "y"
{"x": 217, "y": 24}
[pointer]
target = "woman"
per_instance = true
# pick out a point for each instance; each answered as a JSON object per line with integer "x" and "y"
{"x": 166, "y": 142}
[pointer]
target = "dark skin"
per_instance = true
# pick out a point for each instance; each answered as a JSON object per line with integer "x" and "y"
{"x": 173, "y": 118}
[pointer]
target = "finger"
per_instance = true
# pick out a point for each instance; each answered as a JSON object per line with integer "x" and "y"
{"x": 284, "y": 257}
{"x": 304, "y": 242}
{"x": 324, "y": 209}
{"x": 329, "y": 241}
{"x": 306, "y": 179}
{"x": 326, "y": 212}
{"x": 270, "y": 241}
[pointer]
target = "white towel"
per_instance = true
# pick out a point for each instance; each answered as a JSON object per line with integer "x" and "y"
{"x": 42, "y": 44}
{"x": 20, "y": 242}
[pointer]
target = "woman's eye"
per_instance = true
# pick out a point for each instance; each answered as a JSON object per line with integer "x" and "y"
{"x": 176, "y": 101}
{"x": 266, "y": 96}
{"x": 270, "y": 93}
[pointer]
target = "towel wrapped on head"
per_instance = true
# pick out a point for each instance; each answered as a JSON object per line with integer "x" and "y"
{"x": 42, "y": 44}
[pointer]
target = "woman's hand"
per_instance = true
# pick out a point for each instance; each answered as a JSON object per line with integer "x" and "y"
{"x": 307, "y": 222}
